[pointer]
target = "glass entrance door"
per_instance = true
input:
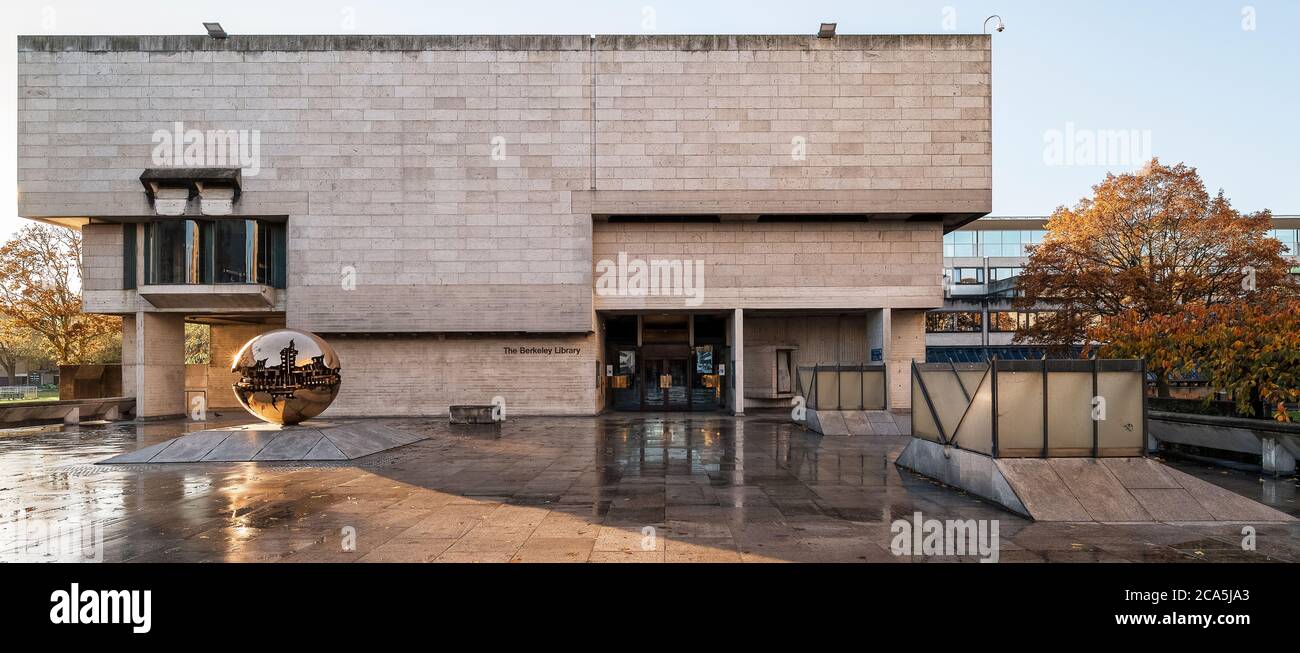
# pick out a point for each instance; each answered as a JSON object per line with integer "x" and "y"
{"x": 666, "y": 384}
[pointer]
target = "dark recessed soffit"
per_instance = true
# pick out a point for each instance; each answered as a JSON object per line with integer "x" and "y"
{"x": 950, "y": 221}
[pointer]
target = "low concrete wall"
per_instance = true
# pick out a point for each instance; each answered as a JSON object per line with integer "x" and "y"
{"x": 970, "y": 471}
{"x": 1276, "y": 443}
{"x": 74, "y": 411}
{"x": 90, "y": 381}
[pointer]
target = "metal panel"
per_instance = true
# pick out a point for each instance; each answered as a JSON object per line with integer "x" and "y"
{"x": 1020, "y": 407}
{"x": 975, "y": 432}
{"x": 1069, "y": 417}
{"x": 1121, "y": 433}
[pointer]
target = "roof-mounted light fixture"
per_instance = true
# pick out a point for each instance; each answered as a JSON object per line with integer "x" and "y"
{"x": 827, "y": 31}
{"x": 215, "y": 31}
{"x": 999, "y": 26}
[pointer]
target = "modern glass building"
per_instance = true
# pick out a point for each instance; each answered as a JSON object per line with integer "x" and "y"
{"x": 981, "y": 261}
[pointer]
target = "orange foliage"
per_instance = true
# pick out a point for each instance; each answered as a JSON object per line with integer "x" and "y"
{"x": 39, "y": 269}
{"x": 1249, "y": 347}
{"x": 1147, "y": 243}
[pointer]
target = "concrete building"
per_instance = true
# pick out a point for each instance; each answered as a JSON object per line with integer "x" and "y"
{"x": 980, "y": 263}
{"x": 574, "y": 224}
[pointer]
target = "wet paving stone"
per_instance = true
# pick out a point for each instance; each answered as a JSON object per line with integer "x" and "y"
{"x": 615, "y": 488}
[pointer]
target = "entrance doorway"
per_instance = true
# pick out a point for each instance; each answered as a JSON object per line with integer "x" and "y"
{"x": 666, "y": 384}
{"x": 666, "y": 362}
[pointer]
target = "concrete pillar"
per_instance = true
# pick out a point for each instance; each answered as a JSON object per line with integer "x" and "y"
{"x": 73, "y": 416}
{"x": 877, "y": 338}
{"x": 738, "y": 356}
{"x": 153, "y": 363}
{"x": 128, "y": 355}
{"x": 906, "y": 342}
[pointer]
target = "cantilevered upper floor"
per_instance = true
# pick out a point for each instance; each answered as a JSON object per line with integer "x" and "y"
{"x": 450, "y": 183}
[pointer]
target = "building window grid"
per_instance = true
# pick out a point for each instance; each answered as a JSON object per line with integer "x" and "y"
{"x": 954, "y": 322}
{"x": 966, "y": 275}
{"x": 1290, "y": 240}
{"x": 1013, "y": 321}
{"x": 998, "y": 274}
{"x": 991, "y": 242}
{"x": 222, "y": 252}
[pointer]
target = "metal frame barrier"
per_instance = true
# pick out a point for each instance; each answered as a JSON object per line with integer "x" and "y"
{"x": 872, "y": 381}
{"x": 1085, "y": 408}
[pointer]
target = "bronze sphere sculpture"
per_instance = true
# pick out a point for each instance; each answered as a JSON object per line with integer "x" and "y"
{"x": 286, "y": 376}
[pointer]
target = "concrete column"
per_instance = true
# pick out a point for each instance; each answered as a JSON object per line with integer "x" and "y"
{"x": 156, "y": 355}
{"x": 128, "y": 355}
{"x": 738, "y": 356}
{"x": 906, "y": 342}
{"x": 877, "y": 338}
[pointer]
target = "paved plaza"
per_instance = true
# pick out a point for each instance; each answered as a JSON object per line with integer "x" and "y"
{"x": 615, "y": 488}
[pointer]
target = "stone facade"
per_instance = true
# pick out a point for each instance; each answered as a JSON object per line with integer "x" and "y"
{"x": 801, "y": 265}
{"x": 448, "y": 195}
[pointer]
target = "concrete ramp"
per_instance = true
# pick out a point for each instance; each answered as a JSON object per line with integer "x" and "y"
{"x": 1086, "y": 489}
{"x": 309, "y": 441}
{"x": 827, "y": 422}
{"x": 1124, "y": 489}
{"x": 853, "y": 422}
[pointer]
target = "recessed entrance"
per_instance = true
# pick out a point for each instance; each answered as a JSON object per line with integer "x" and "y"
{"x": 665, "y": 384}
{"x": 666, "y": 362}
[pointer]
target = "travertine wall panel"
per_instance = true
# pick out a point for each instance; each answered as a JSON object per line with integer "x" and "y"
{"x": 794, "y": 265}
{"x": 101, "y": 256}
{"x": 423, "y": 375}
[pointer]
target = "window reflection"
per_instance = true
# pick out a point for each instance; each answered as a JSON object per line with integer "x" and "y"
{"x": 217, "y": 251}
{"x": 953, "y": 322}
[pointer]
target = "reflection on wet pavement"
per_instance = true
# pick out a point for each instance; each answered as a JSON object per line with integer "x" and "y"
{"x": 616, "y": 488}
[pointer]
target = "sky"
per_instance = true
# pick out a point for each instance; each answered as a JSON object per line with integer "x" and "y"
{"x": 1214, "y": 84}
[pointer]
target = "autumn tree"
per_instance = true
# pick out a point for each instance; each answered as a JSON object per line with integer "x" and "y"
{"x": 17, "y": 343}
{"x": 1146, "y": 244}
{"x": 41, "y": 271}
{"x": 1249, "y": 347}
